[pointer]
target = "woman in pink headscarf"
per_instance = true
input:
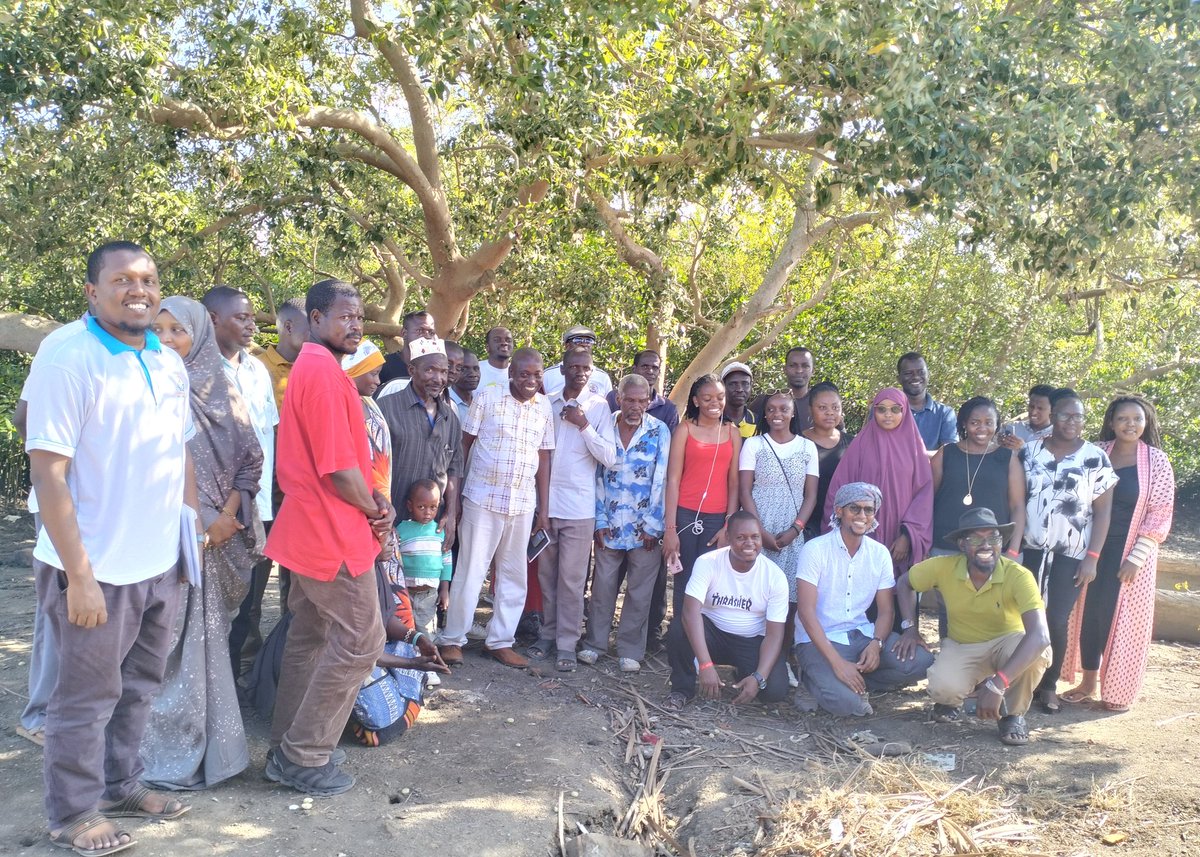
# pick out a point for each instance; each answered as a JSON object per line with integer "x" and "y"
{"x": 889, "y": 454}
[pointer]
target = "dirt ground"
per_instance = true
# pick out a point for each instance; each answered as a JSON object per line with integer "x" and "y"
{"x": 485, "y": 768}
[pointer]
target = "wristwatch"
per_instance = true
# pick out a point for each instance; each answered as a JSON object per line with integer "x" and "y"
{"x": 762, "y": 682}
{"x": 905, "y": 624}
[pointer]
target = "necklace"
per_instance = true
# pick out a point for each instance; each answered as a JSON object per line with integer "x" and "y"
{"x": 969, "y": 498}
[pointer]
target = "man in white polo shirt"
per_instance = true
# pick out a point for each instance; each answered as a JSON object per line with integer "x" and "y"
{"x": 733, "y": 613}
{"x": 840, "y": 575}
{"x": 108, "y": 422}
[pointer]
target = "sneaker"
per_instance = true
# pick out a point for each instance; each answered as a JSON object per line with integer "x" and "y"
{"x": 792, "y": 680}
{"x": 629, "y": 665}
{"x": 588, "y": 656}
{"x": 432, "y": 679}
{"x": 477, "y": 632}
{"x": 324, "y": 781}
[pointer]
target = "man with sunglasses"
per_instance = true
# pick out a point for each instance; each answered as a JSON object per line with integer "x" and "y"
{"x": 600, "y": 384}
{"x": 998, "y": 645}
{"x": 842, "y": 654}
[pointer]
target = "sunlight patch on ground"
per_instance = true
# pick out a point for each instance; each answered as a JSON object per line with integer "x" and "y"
{"x": 15, "y": 647}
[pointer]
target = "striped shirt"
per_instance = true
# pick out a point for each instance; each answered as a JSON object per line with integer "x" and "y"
{"x": 421, "y": 557}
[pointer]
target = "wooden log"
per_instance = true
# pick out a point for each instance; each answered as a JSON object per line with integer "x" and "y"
{"x": 1177, "y": 616}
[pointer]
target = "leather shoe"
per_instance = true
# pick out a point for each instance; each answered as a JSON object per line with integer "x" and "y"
{"x": 508, "y": 657}
{"x": 452, "y": 655}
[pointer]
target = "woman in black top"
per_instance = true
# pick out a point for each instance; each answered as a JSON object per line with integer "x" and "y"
{"x": 826, "y": 404}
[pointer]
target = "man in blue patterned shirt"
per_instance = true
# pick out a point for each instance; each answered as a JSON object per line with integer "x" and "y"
{"x": 630, "y": 498}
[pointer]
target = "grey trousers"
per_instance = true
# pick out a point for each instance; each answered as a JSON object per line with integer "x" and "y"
{"x": 837, "y": 698}
{"x": 562, "y": 575}
{"x": 335, "y": 638}
{"x": 106, "y": 678}
{"x": 640, "y": 579}
{"x": 43, "y": 659}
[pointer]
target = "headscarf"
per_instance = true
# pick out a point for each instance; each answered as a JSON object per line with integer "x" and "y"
{"x": 857, "y": 492}
{"x": 226, "y": 453}
{"x": 897, "y": 463}
{"x": 367, "y": 357}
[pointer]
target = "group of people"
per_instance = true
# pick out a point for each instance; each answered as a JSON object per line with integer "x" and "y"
{"x": 175, "y": 465}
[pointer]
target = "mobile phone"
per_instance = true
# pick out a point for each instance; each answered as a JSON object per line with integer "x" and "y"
{"x": 674, "y": 565}
{"x": 537, "y": 544}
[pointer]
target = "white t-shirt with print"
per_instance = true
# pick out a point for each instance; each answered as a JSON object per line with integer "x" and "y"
{"x": 739, "y": 603}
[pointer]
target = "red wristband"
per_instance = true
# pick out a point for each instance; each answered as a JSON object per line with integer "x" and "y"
{"x": 1012, "y": 552}
{"x": 1002, "y": 678}
{"x": 1093, "y": 555}
{"x": 703, "y": 667}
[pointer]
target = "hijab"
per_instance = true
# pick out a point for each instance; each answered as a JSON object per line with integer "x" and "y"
{"x": 897, "y": 463}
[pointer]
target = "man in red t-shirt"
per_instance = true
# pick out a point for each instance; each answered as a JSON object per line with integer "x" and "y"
{"x": 327, "y": 532}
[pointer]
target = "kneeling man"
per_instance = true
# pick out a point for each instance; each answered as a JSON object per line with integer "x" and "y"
{"x": 733, "y": 613}
{"x": 842, "y": 655}
{"x": 998, "y": 645}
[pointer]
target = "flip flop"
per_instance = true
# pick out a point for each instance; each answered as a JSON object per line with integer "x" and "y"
{"x": 1013, "y": 731}
{"x": 1077, "y": 697}
{"x": 566, "y": 665}
{"x": 131, "y": 807}
{"x": 1114, "y": 708}
{"x": 1049, "y": 707}
{"x": 66, "y": 837}
{"x": 37, "y": 736}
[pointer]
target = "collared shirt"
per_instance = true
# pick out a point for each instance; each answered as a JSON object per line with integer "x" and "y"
{"x": 979, "y": 615}
{"x": 1028, "y": 433}
{"x": 660, "y": 407}
{"x": 631, "y": 493}
{"x": 321, "y": 431}
{"x": 846, "y": 585}
{"x": 46, "y": 346}
{"x": 553, "y": 381}
{"x": 937, "y": 423}
{"x": 253, "y": 381}
{"x": 392, "y": 387}
{"x": 460, "y": 404}
{"x": 123, "y": 417}
{"x": 278, "y": 368}
{"x": 504, "y": 457}
{"x": 421, "y": 450}
{"x": 576, "y": 454}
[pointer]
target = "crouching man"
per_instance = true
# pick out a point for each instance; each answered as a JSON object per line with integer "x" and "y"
{"x": 842, "y": 655}
{"x": 998, "y": 645}
{"x": 733, "y": 613}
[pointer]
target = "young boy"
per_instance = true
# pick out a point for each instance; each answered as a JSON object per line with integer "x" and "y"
{"x": 426, "y": 566}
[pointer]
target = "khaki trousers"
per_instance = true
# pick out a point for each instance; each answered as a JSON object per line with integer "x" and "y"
{"x": 961, "y": 666}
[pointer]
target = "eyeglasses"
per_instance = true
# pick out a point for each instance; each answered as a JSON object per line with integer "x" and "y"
{"x": 884, "y": 409}
{"x": 581, "y": 340}
{"x": 855, "y": 509}
{"x": 981, "y": 541}
{"x": 1069, "y": 418}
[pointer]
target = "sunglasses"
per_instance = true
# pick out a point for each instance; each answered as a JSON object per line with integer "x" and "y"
{"x": 855, "y": 509}
{"x": 884, "y": 409}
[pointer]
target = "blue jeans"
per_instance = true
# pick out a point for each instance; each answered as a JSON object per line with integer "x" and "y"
{"x": 837, "y": 698}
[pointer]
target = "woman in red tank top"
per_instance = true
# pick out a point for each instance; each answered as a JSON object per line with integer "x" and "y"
{"x": 702, "y": 482}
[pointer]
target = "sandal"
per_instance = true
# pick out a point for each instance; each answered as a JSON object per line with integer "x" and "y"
{"x": 946, "y": 713}
{"x": 66, "y": 837}
{"x": 1013, "y": 731}
{"x": 37, "y": 736}
{"x": 675, "y": 701}
{"x": 540, "y": 650}
{"x": 132, "y": 807}
{"x": 1114, "y": 708}
{"x": 1077, "y": 697}
{"x": 566, "y": 665}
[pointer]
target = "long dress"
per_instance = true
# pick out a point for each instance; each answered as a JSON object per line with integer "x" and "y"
{"x": 194, "y": 737}
{"x": 1123, "y": 666}
{"x": 778, "y": 492}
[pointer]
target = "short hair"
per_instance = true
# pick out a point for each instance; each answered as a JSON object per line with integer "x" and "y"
{"x": 95, "y": 259}
{"x": 422, "y": 485}
{"x": 487, "y": 337}
{"x": 220, "y": 296}
{"x": 632, "y": 380}
{"x": 322, "y": 295}
{"x": 527, "y": 354}
{"x": 454, "y": 346}
{"x": 1062, "y": 394}
{"x": 794, "y": 349}
{"x": 1043, "y": 390}
{"x": 1152, "y": 436}
{"x": 906, "y": 357}
{"x": 415, "y": 314}
{"x": 467, "y": 352}
{"x": 646, "y": 352}
{"x": 292, "y": 306}
{"x": 970, "y": 405}
{"x": 743, "y": 515}
{"x": 690, "y": 411}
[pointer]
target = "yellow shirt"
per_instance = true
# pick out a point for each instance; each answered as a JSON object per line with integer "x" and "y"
{"x": 979, "y": 615}
{"x": 278, "y": 368}
{"x": 747, "y": 427}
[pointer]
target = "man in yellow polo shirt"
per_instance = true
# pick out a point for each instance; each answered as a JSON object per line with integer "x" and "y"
{"x": 998, "y": 646}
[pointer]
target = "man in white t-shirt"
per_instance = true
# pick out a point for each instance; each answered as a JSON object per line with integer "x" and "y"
{"x": 107, "y": 430}
{"x": 734, "y": 610}
{"x": 578, "y": 336}
{"x": 840, "y": 575}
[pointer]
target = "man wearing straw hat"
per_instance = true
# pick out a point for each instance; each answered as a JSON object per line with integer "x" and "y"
{"x": 998, "y": 646}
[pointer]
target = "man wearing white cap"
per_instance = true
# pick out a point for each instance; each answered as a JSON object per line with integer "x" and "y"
{"x": 738, "y": 380}
{"x": 578, "y": 336}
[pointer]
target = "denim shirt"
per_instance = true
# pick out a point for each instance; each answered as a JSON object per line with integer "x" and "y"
{"x": 631, "y": 495}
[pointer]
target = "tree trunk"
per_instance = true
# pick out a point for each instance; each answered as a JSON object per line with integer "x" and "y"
{"x": 23, "y": 332}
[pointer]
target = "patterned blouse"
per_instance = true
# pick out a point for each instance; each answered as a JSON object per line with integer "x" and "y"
{"x": 1059, "y": 509}
{"x": 631, "y": 495}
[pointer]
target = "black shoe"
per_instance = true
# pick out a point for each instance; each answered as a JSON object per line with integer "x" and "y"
{"x": 529, "y": 629}
{"x": 324, "y": 781}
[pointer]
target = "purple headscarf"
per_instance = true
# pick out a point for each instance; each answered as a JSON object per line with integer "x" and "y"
{"x": 897, "y": 463}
